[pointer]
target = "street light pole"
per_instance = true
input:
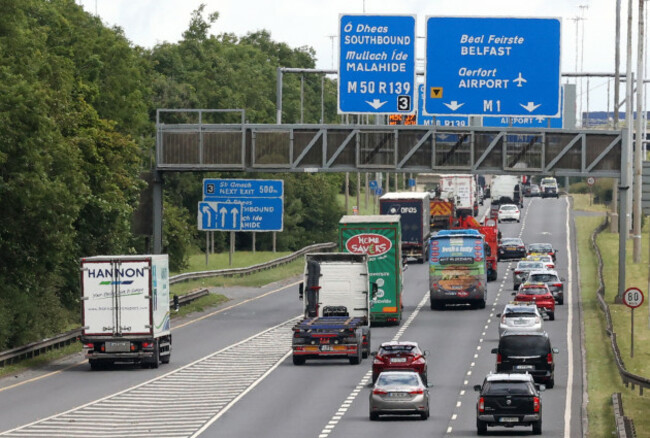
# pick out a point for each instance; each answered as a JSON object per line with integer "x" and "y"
{"x": 638, "y": 146}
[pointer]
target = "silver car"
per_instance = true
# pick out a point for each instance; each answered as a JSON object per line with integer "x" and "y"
{"x": 520, "y": 317}
{"x": 520, "y": 272}
{"x": 399, "y": 393}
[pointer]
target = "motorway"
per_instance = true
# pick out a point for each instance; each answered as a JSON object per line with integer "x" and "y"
{"x": 231, "y": 373}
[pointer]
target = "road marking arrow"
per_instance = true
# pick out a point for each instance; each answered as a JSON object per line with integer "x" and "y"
{"x": 530, "y": 107}
{"x": 376, "y": 104}
{"x": 454, "y": 105}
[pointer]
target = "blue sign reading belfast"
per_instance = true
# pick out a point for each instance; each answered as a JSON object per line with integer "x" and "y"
{"x": 493, "y": 66}
{"x": 377, "y": 64}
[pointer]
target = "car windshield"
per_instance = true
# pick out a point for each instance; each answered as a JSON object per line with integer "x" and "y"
{"x": 393, "y": 349}
{"x": 539, "y": 247}
{"x": 542, "y": 278}
{"x": 510, "y": 241}
{"x": 508, "y": 388}
{"x": 550, "y": 181}
{"x": 508, "y": 207}
{"x": 530, "y": 265}
{"x": 398, "y": 379}
{"x": 523, "y": 345}
{"x": 533, "y": 291}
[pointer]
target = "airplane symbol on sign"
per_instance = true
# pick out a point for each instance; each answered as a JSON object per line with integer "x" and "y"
{"x": 520, "y": 80}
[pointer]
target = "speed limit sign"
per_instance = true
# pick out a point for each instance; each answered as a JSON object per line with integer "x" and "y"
{"x": 633, "y": 297}
{"x": 591, "y": 181}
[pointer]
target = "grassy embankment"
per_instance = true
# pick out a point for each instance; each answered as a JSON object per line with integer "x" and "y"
{"x": 602, "y": 374}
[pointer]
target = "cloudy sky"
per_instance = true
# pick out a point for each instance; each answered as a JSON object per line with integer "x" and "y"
{"x": 314, "y": 23}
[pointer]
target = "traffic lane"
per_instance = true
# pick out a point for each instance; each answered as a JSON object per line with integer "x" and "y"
{"x": 312, "y": 393}
{"x": 554, "y": 399}
{"x": 451, "y": 337}
{"x": 60, "y": 392}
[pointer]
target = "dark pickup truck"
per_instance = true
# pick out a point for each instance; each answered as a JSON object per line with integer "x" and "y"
{"x": 509, "y": 400}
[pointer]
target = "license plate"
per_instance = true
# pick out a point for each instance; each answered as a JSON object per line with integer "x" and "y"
{"x": 325, "y": 348}
{"x": 509, "y": 420}
{"x": 519, "y": 322}
{"x": 525, "y": 367}
{"x": 117, "y": 346}
{"x": 398, "y": 360}
{"x": 511, "y": 248}
{"x": 397, "y": 394}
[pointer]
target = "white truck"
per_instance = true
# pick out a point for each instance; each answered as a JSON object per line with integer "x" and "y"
{"x": 125, "y": 310}
{"x": 336, "y": 323}
{"x": 506, "y": 189}
{"x": 463, "y": 189}
{"x": 548, "y": 188}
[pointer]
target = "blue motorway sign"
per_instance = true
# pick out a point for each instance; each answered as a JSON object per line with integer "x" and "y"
{"x": 243, "y": 214}
{"x": 377, "y": 64}
{"x": 527, "y": 121}
{"x": 492, "y": 66}
{"x": 243, "y": 188}
{"x": 241, "y": 205}
{"x": 454, "y": 121}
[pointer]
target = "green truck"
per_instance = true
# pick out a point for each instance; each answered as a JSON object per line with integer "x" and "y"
{"x": 380, "y": 237}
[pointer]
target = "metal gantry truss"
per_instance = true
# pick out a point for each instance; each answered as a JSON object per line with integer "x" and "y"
{"x": 417, "y": 149}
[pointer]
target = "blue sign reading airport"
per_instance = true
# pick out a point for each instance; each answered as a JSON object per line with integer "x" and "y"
{"x": 527, "y": 121}
{"x": 241, "y": 205}
{"x": 492, "y": 66}
{"x": 377, "y": 64}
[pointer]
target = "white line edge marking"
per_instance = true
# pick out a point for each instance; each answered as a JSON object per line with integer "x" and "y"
{"x": 569, "y": 332}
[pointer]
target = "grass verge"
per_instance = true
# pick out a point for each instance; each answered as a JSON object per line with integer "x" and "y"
{"x": 40, "y": 360}
{"x": 602, "y": 374}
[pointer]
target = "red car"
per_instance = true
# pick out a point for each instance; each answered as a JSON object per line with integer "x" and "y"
{"x": 540, "y": 294}
{"x": 400, "y": 356}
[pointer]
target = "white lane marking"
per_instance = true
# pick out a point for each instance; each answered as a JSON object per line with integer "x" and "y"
{"x": 569, "y": 331}
{"x": 366, "y": 378}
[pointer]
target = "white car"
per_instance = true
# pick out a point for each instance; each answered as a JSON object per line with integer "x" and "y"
{"x": 508, "y": 212}
{"x": 546, "y": 260}
{"x": 520, "y": 317}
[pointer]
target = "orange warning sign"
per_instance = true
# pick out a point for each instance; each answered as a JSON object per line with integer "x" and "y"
{"x": 440, "y": 208}
{"x": 436, "y": 92}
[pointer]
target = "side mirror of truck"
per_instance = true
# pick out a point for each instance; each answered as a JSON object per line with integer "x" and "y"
{"x": 477, "y": 388}
{"x": 494, "y": 351}
{"x": 540, "y": 387}
{"x": 375, "y": 288}
{"x": 177, "y": 304}
{"x": 556, "y": 351}
{"x": 301, "y": 290}
{"x": 426, "y": 352}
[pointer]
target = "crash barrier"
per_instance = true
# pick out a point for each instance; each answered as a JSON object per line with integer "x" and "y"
{"x": 624, "y": 425}
{"x": 37, "y": 348}
{"x": 252, "y": 269}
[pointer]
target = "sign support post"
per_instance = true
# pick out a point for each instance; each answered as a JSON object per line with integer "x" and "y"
{"x": 632, "y": 298}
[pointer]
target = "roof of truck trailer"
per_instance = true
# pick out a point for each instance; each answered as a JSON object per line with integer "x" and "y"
{"x": 405, "y": 195}
{"x": 362, "y": 219}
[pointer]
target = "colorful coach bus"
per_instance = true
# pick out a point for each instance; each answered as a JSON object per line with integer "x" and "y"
{"x": 457, "y": 273}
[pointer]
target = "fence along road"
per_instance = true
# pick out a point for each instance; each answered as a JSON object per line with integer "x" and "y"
{"x": 179, "y": 404}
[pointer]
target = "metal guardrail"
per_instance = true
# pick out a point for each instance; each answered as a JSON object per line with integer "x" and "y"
{"x": 251, "y": 269}
{"x": 37, "y": 348}
{"x": 624, "y": 425}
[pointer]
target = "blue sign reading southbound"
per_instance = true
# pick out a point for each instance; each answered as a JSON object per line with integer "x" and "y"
{"x": 493, "y": 66}
{"x": 377, "y": 64}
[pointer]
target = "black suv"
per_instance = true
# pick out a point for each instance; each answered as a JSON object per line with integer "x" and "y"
{"x": 523, "y": 352}
{"x": 508, "y": 400}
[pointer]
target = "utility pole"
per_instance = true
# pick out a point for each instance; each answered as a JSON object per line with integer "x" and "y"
{"x": 577, "y": 20}
{"x": 629, "y": 116}
{"x": 332, "y": 37}
{"x": 583, "y": 9}
{"x": 638, "y": 147}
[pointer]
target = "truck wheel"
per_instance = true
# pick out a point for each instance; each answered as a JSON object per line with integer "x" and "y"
{"x": 95, "y": 364}
{"x": 297, "y": 360}
{"x": 366, "y": 350}
{"x": 356, "y": 360}
{"x": 481, "y": 427}
{"x": 154, "y": 362}
{"x": 537, "y": 427}
{"x": 166, "y": 358}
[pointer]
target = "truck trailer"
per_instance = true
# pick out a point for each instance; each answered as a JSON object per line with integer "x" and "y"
{"x": 125, "y": 310}
{"x": 336, "y": 305}
{"x": 414, "y": 211}
{"x": 378, "y": 236}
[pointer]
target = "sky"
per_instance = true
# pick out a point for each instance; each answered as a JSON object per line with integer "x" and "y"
{"x": 314, "y": 23}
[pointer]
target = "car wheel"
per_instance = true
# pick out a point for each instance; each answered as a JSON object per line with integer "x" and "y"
{"x": 481, "y": 304}
{"x": 424, "y": 415}
{"x": 481, "y": 427}
{"x": 517, "y": 220}
{"x": 537, "y": 427}
{"x": 374, "y": 416}
{"x": 297, "y": 360}
{"x": 560, "y": 301}
{"x": 551, "y": 316}
{"x": 424, "y": 378}
{"x": 551, "y": 383}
